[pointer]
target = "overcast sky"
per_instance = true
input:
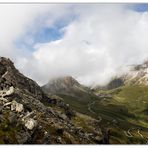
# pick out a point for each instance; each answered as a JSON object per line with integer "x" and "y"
{"x": 91, "y": 42}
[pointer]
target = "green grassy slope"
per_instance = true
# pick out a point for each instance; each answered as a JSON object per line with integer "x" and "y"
{"x": 125, "y": 110}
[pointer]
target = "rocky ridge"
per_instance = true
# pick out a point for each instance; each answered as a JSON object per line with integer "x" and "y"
{"x": 63, "y": 84}
{"x": 28, "y": 115}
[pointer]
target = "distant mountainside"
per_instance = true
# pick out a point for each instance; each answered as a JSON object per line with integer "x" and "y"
{"x": 65, "y": 112}
{"x": 129, "y": 94}
{"x": 138, "y": 75}
{"x": 70, "y": 87}
{"x": 29, "y": 116}
{"x": 63, "y": 84}
{"x": 121, "y": 105}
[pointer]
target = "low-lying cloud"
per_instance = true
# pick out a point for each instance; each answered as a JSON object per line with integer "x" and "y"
{"x": 100, "y": 42}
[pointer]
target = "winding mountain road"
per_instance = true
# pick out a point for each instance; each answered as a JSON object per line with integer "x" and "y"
{"x": 89, "y": 107}
{"x": 90, "y": 110}
{"x": 128, "y": 134}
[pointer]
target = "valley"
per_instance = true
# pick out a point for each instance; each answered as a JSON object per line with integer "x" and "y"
{"x": 65, "y": 112}
{"x": 121, "y": 109}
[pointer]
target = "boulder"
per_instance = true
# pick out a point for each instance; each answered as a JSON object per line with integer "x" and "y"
{"x": 30, "y": 123}
{"x": 10, "y": 91}
{"x": 16, "y": 107}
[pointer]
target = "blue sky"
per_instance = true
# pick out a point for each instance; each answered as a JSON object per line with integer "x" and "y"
{"x": 141, "y": 7}
{"x": 47, "y": 34}
{"x": 43, "y": 33}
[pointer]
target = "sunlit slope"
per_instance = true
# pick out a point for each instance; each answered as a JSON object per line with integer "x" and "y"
{"x": 134, "y": 97}
{"x": 123, "y": 110}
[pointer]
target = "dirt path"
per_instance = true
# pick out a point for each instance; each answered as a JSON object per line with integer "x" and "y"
{"x": 89, "y": 107}
{"x": 128, "y": 134}
{"x": 90, "y": 110}
{"x": 140, "y": 134}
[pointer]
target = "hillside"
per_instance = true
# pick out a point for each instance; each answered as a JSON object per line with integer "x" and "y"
{"x": 65, "y": 112}
{"x": 68, "y": 86}
{"x": 29, "y": 116}
{"x": 121, "y": 106}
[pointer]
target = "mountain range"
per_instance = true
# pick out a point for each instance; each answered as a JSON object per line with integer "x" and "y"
{"x": 63, "y": 111}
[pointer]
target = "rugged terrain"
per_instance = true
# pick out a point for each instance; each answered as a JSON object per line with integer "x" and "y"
{"x": 121, "y": 106}
{"x": 65, "y": 112}
{"x": 30, "y": 116}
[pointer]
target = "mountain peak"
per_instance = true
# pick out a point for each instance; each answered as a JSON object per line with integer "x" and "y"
{"x": 63, "y": 84}
{"x": 68, "y": 81}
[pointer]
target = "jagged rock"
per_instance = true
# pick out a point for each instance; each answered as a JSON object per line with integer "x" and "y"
{"x": 7, "y": 104}
{"x": 16, "y": 106}
{"x": 30, "y": 114}
{"x": 31, "y": 108}
{"x": 30, "y": 123}
{"x": 10, "y": 91}
{"x": 17, "y": 80}
{"x": 3, "y": 100}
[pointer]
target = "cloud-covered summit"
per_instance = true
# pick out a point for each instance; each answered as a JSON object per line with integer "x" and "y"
{"x": 91, "y": 42}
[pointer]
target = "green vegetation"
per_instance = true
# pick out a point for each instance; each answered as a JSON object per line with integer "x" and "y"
{"x": 126, "y": 109}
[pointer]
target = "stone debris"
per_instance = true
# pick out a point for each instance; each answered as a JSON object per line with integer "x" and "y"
{"x": 10, "y": 91}
{"x": 3, "y": 100}
{"x": 5, "y": 92}
{"x": 30, "y": 123}
{"x": 30, "y": 116}
{"x": 17, "y": 106}
{"x": 4, "y": 74}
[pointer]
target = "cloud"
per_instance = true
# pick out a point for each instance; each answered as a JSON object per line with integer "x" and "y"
{"x": 98, "y": 43}
{"x": 22, "y": 21}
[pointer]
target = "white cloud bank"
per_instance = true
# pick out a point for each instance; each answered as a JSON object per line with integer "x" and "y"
{"x": 100, "y": 40}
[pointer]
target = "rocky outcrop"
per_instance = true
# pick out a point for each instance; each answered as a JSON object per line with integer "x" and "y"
{"x": 30, "y": 123}
{"x": 28, "y": 115}
{"x": 10, "y": 76}
{"x": 17, "y": 106}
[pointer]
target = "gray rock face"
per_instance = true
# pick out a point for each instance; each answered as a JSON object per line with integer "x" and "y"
{"x": 10, "y": 76}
